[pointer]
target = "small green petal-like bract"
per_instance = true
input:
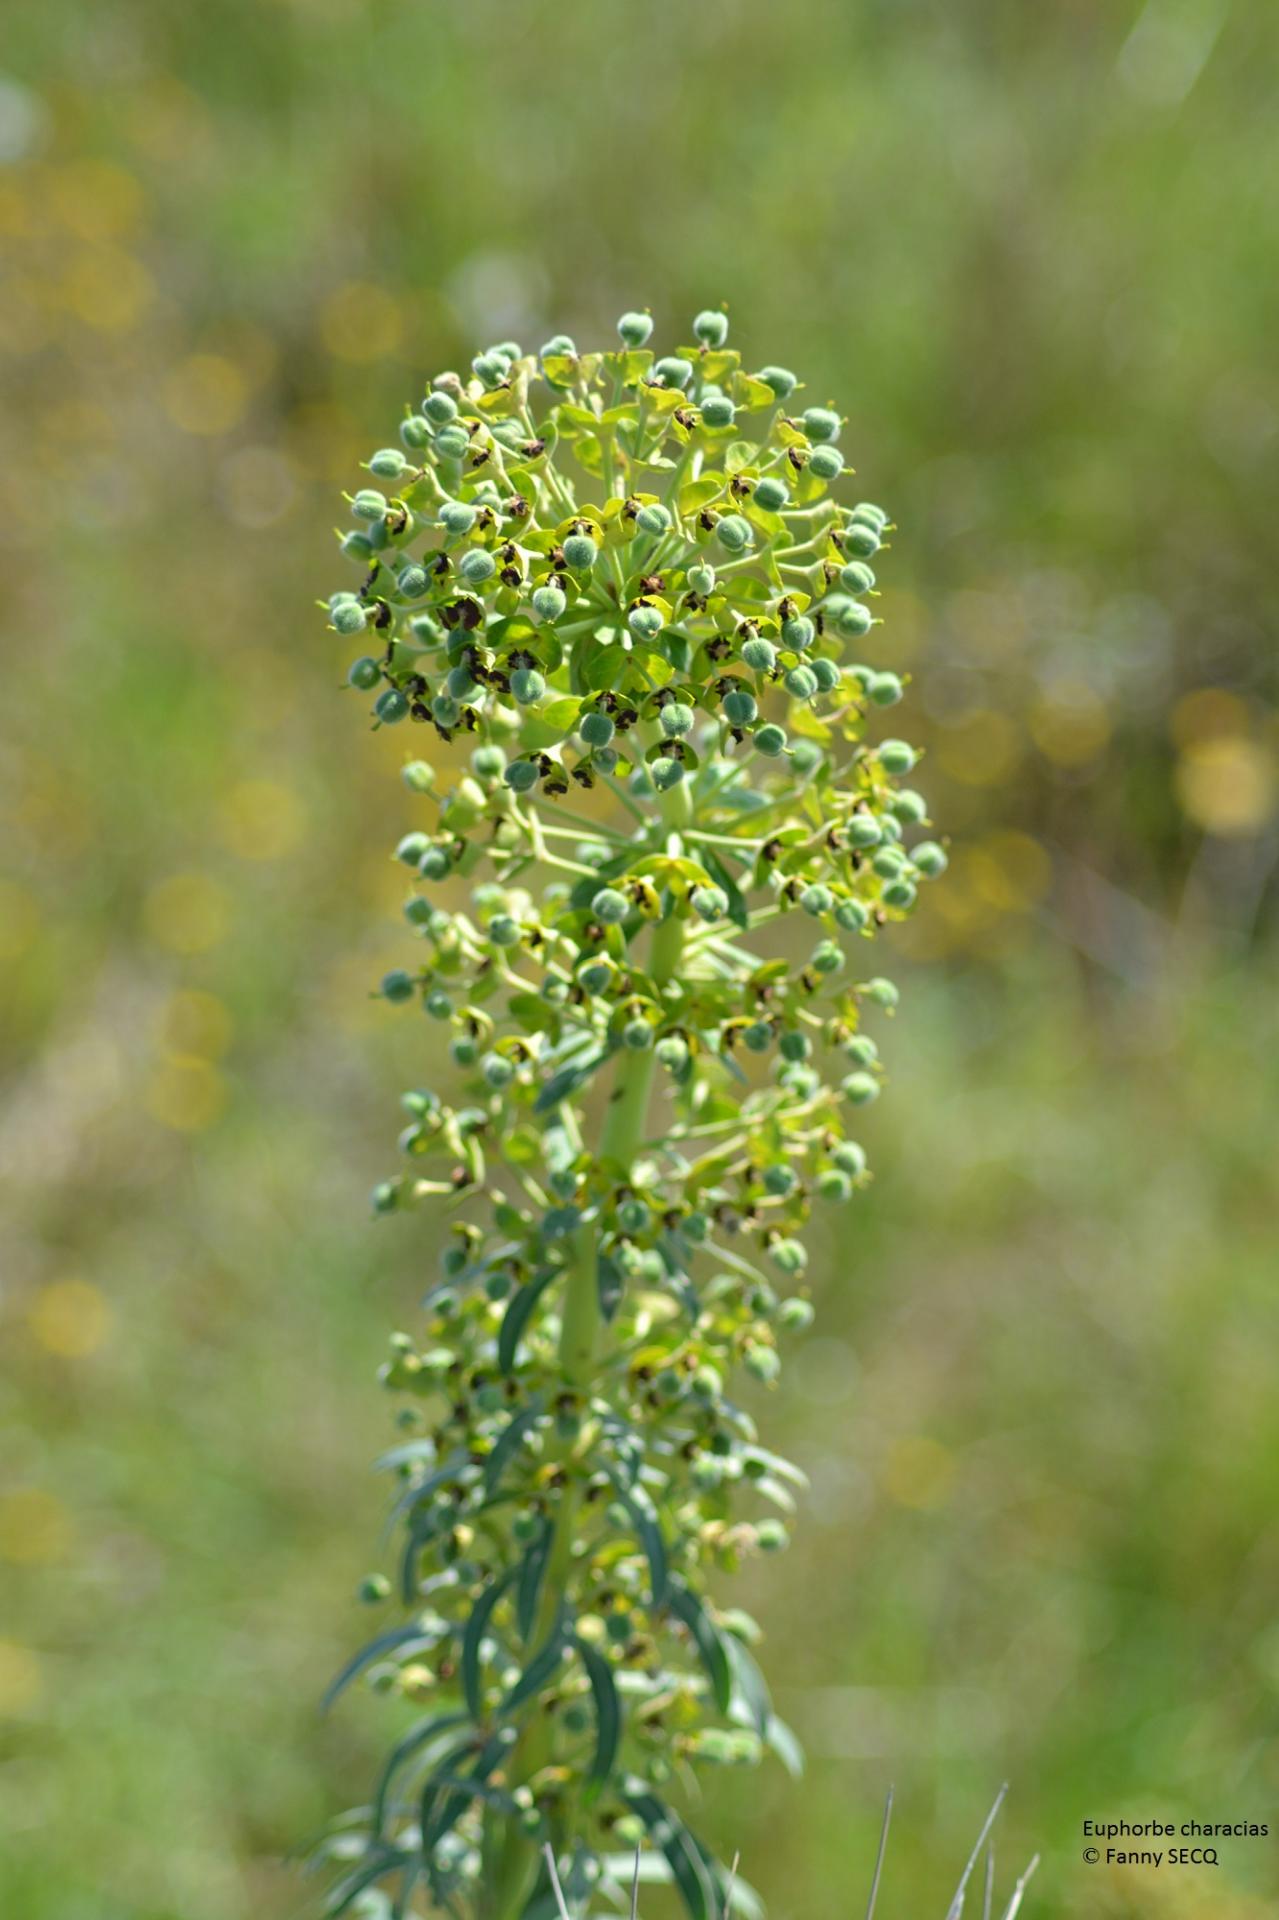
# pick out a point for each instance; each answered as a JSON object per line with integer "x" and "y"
{"x": 615, "y": 590}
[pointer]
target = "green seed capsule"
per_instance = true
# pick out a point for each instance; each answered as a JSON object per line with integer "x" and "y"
{"x": 397, "y": 986}
{"x": 759, "y": 654}
{"x": 763, "y": 1361}
{"x": 862, "y": 831}
{"x": 899, "y": 893}
{"x": 780, "y": 379}
{"x": 895, "y": 756}
{"x": 418, "y": 775}
{"x": 930, "y": 859}
{"x": 415, "y": 432}
{"x": 709, "y": 903}
{"x": 888, "y": 861}
{"x": 665, "y": 774}
{"x": 438, "y": 1004}
{"x": 740, "y": 707}
{"x": 718, "y": 411}
{"x": 758, "y": 1037}
{"x": 452, "y": 443}
{"x": 674, "y": 1055}
{"x": 463, "y": 1051}
{"x": 369, "y": 504}
{"x": 357, "y": 546}
{"x": 348, "y": 616}
{"x": 440, "y": 408}
{"x": 637, "y": 1035}
{"x": 672, "y": 371}
{"x": 861, "y": 1088}
{"x": 676, "y": 720}
{"x": 856, "y": 577}
{"x": 734, "y": 533}
{"x": 418, "y": 912}
{"x": 497, "y": 1070}
{"x": 596, "y": 729}
{"x": 827, "y": 463}
{"x": 801, "y": 683}
{"x": 445, "y": 710}
{"x": 770, "y": 741}
{"x": 633, "y": 1216}
{"x": 798, "y": 632}
{"x": 489, "y": 762}
{"x": 819, "y": 423}
{"x": 909, "y": 807}
{"x": 610, "y": 906}
{"x": 504, "y": 930}
{"x": 701, "y": 578}
{"x": 827, "y": 675}
{"x": 796, "y": 1315}
{"x": 645, "y": 622}
{"x": 579, "y": 552}
{"x": 411, "y": 848}
{"x": 885, "y": 689}
{"x": 635, "y": 328}
{"x": 412, "y": 581}
{"x": 854, "y": 619}
{"x": 861, "y": 1050}
{"x": 456, "y": 516}
{"x": 805, "y": 756}
{"x": 597, "y": 976}
{"x": 557, "y": 344}
{"x": 861, "y": 539}
{"x": 653, "y": 518}
{"x": 849, "y": 1157}
{"x": 771, "y": 1536}
{"x": 548, "y": 603}
{"x": 522, "y": 775}
{"x": 364, "y": 674}
{"x": 391, "y": 707}
{"x": 476, "y": 566}
{"x": 388, "y": 463}
{"x": 435, "y": 864}
{"x": 527, "y": 686}
{"x": 711, "y": 327}
{"x": 771, "y": 493}
{"x": 374, "y": 1588}
{"x": 826, "y": 957}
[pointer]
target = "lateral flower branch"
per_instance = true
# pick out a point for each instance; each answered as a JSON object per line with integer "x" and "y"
{"x": 625, "y": 586}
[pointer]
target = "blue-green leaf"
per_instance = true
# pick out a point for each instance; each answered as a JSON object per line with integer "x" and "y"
{"x": 346, "y": 1891}
{"x": 539, "y": 1669}
{"x": 472, "y": 1639}
{"x": 532, "y": 1570}
{"x": 565, "y": 1083}
{"x": 708, "y": 1639}
{"x": 413, "y": 1742}
{"x": 643, "y": 1516}
{"x": 407, "y": 1639}
{"x": 509, "y": 1440}
{"x": 688, "y": 1868}
{"x": 608, "y": 1711}
{"x": 516, "y": 1317}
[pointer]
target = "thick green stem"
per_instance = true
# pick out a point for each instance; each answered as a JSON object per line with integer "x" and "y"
{"x": 510, "y": 1855}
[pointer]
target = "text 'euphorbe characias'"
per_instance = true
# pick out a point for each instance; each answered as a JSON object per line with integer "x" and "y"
{"x": 622, "y": 588}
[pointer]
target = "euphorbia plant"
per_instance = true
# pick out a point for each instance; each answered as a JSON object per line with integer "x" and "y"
{"x": 621, "y": 590}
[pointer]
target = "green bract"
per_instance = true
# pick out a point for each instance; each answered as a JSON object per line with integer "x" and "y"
{"x": 618, "y": 590}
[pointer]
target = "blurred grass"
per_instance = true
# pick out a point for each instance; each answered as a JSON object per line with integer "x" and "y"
{"x": 1029, "y": 250}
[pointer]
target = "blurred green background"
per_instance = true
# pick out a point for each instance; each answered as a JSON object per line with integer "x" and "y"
{"x": 1030, "y": 250}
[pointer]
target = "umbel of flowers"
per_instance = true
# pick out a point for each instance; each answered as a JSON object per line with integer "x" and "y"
{"x": 629, "y": 593}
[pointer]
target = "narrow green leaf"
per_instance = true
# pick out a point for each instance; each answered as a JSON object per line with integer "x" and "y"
{"x": 749, "y": 1685}
{"x": 708, "y": 1639}
{"x": 688, "y": 1868}
{"x": 643, "y": 1517}
{"x": 413, "y": 1743}
{"x": 539, "y": 1669}
{"x": 566, "y": 1082}
{"x": 532, "y": 1570}
{"x": 608, "y": 1711}
{"x": 408, "y": 1639}
{"x": 517, "y": 1316}
{"x": 509, "y": 1439}
{"x": 472, "y": 1639}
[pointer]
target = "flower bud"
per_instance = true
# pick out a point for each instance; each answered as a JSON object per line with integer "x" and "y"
{"x": 635, "y": 328}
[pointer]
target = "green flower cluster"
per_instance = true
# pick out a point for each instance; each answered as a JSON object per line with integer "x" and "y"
{"x": 627, "y": 577}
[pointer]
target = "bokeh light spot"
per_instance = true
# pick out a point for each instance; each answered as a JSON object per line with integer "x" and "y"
{"x": 979, "y": 750}
{"x": 196, "y": 1025}
{"x": 187, "y": 913}
{"x": 21, "y": 1681}
{"x": 360, "y": 322}
{"x": 918, "y": 1472}
{"x": 94, "y": 199}
{"x": 186, "y": 1095}
{"x": 70, "y": 1318}
{"x": 19, "y": 920}
{"x": 35, "y": 1527}
{"x": 260, "y": 820}
{"x": 1227, "y": 786}
{"x": 205, "y": 394}
{"x": 1069, "y": 723}
{"x": 107, "y": 289}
